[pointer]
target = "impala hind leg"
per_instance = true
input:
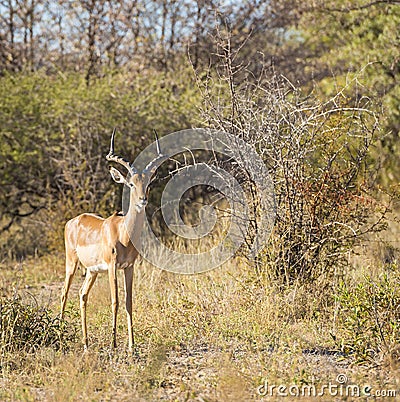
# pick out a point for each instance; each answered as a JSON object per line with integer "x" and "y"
{"x": 83, "y": 298}
{"x": 70, "y": 269}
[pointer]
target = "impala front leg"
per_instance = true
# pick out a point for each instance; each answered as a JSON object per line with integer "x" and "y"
{"x": 112, "y": 276}
{"x": 128, "y": 304}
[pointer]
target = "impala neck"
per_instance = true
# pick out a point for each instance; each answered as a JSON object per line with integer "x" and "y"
{"x": 134, "y": 220}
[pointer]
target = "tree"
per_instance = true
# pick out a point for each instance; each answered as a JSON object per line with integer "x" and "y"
{"x": 354, "y": 46}
{"x": 18, "y": 20}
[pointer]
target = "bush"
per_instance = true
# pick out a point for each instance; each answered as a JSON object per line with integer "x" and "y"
{"x": 55, "y": 133}
{"x": 319, "y": 158}
{"x": 369, "y": 319}
{"x": 28, "y": 327}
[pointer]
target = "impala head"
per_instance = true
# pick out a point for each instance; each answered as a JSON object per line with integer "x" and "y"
{"x": 136, "y": 181}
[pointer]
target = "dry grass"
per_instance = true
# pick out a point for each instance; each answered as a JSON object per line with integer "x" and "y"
{"x": 211, "y": 337}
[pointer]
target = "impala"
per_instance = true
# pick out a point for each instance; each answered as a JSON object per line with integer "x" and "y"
{"x": 106, "y": 245}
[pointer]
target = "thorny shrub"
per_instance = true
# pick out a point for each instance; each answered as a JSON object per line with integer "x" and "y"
{"x": 319, "y": 157}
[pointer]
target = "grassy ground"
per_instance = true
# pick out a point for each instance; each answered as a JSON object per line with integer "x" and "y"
{"x": 225, "y": 335}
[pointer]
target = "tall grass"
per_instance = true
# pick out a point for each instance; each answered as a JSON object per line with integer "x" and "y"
{"x": 215, "y": 336}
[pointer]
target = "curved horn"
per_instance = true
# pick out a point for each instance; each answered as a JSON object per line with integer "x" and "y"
{"x": 152, "y": 166}
{"x": 115, "y": 158}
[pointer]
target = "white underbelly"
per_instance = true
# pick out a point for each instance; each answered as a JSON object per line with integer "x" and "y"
{"x": 103, "y": 267}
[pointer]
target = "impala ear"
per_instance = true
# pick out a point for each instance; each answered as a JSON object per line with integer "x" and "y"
{"x": 117, "y": 176}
